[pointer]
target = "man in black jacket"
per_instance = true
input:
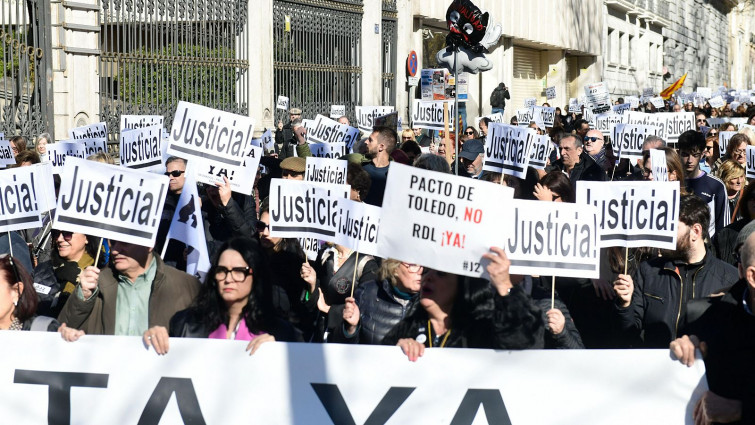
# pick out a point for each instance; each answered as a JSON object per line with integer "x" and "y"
{"x": 574, "y": 162}
{"x": 498, "y": 98}
{"x": 655, "y": 298}
{"x": 285, "y": 140}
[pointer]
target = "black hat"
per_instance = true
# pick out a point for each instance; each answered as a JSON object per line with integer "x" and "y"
{"x": 471, "y": 149}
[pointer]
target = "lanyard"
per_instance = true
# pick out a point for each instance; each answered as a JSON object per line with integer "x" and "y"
{"x": 430, "y": 336}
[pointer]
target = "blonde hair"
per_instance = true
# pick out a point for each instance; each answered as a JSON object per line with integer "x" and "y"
{"x": 750, "y": 135}
{"x": 102, "y": 157}
{"x": 730, "y": 169}
{"x": 388, "y": 270}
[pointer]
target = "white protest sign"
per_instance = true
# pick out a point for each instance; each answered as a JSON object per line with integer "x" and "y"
{"x": 92, "y": 131}
{"x": 358, "y": 226}
{"x": 429, "y": 114}
{"x": 540, "y": 151}
{"x": 657, "y": 101}
{"x": 325, "y": 170}
{"x": 497, "y": 117}
{"x": 110, "y": 201}
{"x": 142, "y": 148}
{"x": 598, "y": 97}
{"x": 723, "y": 139}
{"x": 326, "y": 130}
{"x": 550, "y": 92}
{"x": 670, "y": 124}
{"x": 634, "y": 101}
{"x": 265, "y": 141}
{"x": 589, "y": 116}
{"x": 705, "y": 92}
{"x": 337, "y": 111}
{"x": 6, "y": 154}
{"x": 57, "y": 153}
{"x": 131, "y": 122}
{"x": 658, "y": 165}
{"x": 21, "y": 200}
{"x": 628, "y": 139}
{"x": 311, "y": 247}
{"x": 647, "y": 92}
{"x": 366, "y": 115}
{"x": 529, "y": 102}
{"x": 717, "y": 102}
{"x": 328, "y": 150}
{"x": 305, "y": 209}
{"x": 282, "y": 103}
{"x": 606, "y": 122}
{"x": 634, "y": 213}
{"x": 241, "y": 177}
{"x": 718, "y": 122}
{"x": 507, "y": 149}
{"x": 43, "y": 178}
{"x": 750, "y": 162}
{"x": 574, "y": 106}
{"x": 441, "y": 221}
{"x": 553, "y": 239}
{"x": 524, "y": 116}
{"x": 619, "y": 109}
{"x": 543, "y": 116}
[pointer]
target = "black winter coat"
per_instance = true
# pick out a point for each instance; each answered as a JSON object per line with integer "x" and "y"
{"x": 725, "y": 240}
{"x": 182, "y": 325}
{"x": 586, "y": 170}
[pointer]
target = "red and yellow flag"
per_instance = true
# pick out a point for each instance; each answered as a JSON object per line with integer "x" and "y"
{"x": 665, "y": 94}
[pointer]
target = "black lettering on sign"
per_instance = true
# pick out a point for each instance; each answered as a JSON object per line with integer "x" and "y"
{"x": 630, "y": 211}
{"x": 492, "y": 403}
{"x": 186, "y": 398}
{"x": 331, "y": 398}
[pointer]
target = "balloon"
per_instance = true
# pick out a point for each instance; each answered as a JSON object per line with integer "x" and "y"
{"x": 467, "y": 25}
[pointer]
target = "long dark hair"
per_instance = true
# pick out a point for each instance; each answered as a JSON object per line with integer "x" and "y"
{"x": 14, "y": 272}
{"x": 210, "y": 309}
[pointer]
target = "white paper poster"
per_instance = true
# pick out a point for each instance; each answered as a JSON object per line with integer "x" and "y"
{"x": 92, "y": 131}
{"x": 429, "y": 115}
{"x": 358, "y": 226}
{"x": 325, "y": 170}
{"x": 130, "y": 122}
{"x": 750, "y": 162}
{"x": 540, "y": 152}
{"x": 366, "y": 115}
{"x": 723, "y": 139}
{"x": 717, "y": 102}
{"x": 658, "y": 165}
{"x": 6, "y": 154}
{"x": 326, "y": 130}
{"x": 507, "y": 149}
{"x": 550, "y": 92}
{"x": 337, "y": 111}
{"x": 21, "y": 200}
{"x": 301, "y": 209}
{"x": 142, "y": 148}
{"x": 628, "y": 139}
{"x": 282, "y": 103}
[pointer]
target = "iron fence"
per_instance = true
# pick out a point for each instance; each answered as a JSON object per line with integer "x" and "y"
{"x": 390, "y": 34}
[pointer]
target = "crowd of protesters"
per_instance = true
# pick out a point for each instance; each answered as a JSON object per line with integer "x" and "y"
{"x": 262, "y": 288}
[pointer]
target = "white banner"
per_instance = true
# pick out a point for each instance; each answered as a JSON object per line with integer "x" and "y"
{"x": 21, "y": 200}
{"x": 723, "y": 140}
{"x": 305, "y": 209}
{"x": 241, "y": 178}
{"x": 107, "y": 379}
{"x": 92, "y": 131}
{"x": 6, "y": 154}
{"x": 606, "y": 122}
{"x": 79, "y": 148}
{"x": 366, "y": 115}
{"x": 441, "y": 221}
{"x": 589, "y": 116}
{"x": 550, "y": 92}
{"x": 553, "y": 239}
{"x": 540, "y": 152}
{"x": 358, "y": 226}
{"x": 497, "y": 117}
{"x": 110, "y": 201}
{"x": 141, "y": 148}
{"x": 717, "y": 122}
{"x": 429, "y": 114}
{"x": 658, "y": 165}
{"x": 634, "y": 213}
{"x": 337, "y": 111}
{"x": 508, "y": 149}
{"x": 670, "y": 124}
{"x": 647, "y": 92}
{"x": 628, "y": 139}
{"x": 282, "y": 103}
{"x": 750, "y": 162}
{"x": 325, "y": 130}
{"x": 325, "y": 170}
{"x": 130, "y": 122}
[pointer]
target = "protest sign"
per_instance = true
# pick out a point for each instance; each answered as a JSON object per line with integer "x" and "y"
{"x": 2, "y": 135}
{"x": 20, "y": 199}
{"x": 543, "y": 116}
{"x": 311, "y": 247}
{"x": 267, "y": 140}
{"x": 358, "y": 226}
{"x": 704, "y": 92}
{"x": 326, "y": 130}
{"x": 507, "y": 149}
{"x": 240, "y": 177}
{"x": 658, "y": 165}
{"x": 598, "y": 97}
{"x": 628, "y": 139}
{"x": 606, "y": 122}
{"x": 718, "y": 122}
{"x": 574, "y": 106}
{"x": 130, "y": 122}
{"x": 6, "y": 154}
{"x": 589, "y": 116}
{"x": 325, "y": 170}
{"x": 717, "y": 102}
{"x": 524, "y": 116}
{"x": 110, "y": 201}
{"x": 337, "y": 111}
{"x": 305, "y": 209}
{"x": 647, "y": 92}
{"x": 540, "y": 151}
{"x": 723, "y": 139}
{"x": 553, "y": 239}
{"x": 441, "y": 221}
{"x": 43, "y": 178}
{"x": 282, "y": 103}
{"x": 366, "y": 115}
{"x": 635, "y": 213}
{"x": 530, "y": 102}
{"x": 497, "y": 117}
{"x": 634, "y": 101}
{"x": 750, "y": 162}
{"x": 670, "y": 124}
{"x": 328, "y": 150}
{"x": 142, "y": 148}
{"x": 58, "y": 152}
{"x": 429, "y": 115}
{"x": 657, "y": 101}
{"x": 619, "y": 109}
{"x": 92, "y": 131}
{"x": 550, "y": 92}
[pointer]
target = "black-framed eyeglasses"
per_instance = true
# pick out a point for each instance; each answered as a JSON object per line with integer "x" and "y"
{"x": 174, "y": 173}
{"x": 591, "y": 139}
{"x": 67, "y": 236}
{"x": 237, "y": 273}
{"x": 261, "y": 226}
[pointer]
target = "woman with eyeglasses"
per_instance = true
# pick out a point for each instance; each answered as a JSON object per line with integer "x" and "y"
{"x": 736, "y": 150}
{"x": 463, "y": 312}
{"x": 673, "y": 166}
{"x": 712, "y": 152}
{"x": 230, "y": 305}
{"x": 733, "y": 176}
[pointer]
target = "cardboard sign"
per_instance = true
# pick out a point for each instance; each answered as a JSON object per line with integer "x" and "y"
{"x": 543, "y": 116}
{"x": 20, "y": 199}
{"x": 325, "y": 170}
{"x": 553, "y": 239}
{"x": 328, "y": 150}
{"x": 82, "y": 148}
{"x": 6, "y": 154}
{"x": 658, "y": 165}
{"x": 634, "y": 213}
{"x": 326, "y": 130}
{"x": 358, "y": 226}
{"x": 130, "y": 122}
{"x": 366, "y": 115}
{"x": 524, "y": 116}
{"x": 429, "y": 115}
{"x": 750, "y": 162}
{"x": 530, "y": 102}
{"x": 717, "y": 102}
{"x": 723, "y": 139}
{"x": 628, "y": 139}
{"x": 92, "y": 131}
{"x": 507, "y": 149}
{"x": 619, "y": 109}
{"x": 110, "y": 201}
{"x": 337, "y": 111}
{"x": 704, "y": 92}
{"x": 574, "y": 106}
{"x": 634, "y": 101}
{"x": 142, "y": 148}
{"x": 282, "y": 103}
{"x": 442, "y": 221}
{"x": 540, "y": 151}
{"x": 606, "y": 122}
{"x": 550, "y": 92}
{"x": 300, "y": 209}
{"x": 670, "y": 124}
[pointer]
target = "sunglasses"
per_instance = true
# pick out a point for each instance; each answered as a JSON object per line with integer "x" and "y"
{"x": 469, "y": 133}
{"x": 591, "y": 139}
{"x": 174, "y": 173}
{"x": 261, "y": 226}
{"x": 67, "y": 236}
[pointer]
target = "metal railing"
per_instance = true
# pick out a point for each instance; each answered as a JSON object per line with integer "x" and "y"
{"x": 390, "y": 35}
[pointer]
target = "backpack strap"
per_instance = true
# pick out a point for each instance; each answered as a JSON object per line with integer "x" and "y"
{"x": 41, "y": 323}
{"x": 362, "y": 262}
